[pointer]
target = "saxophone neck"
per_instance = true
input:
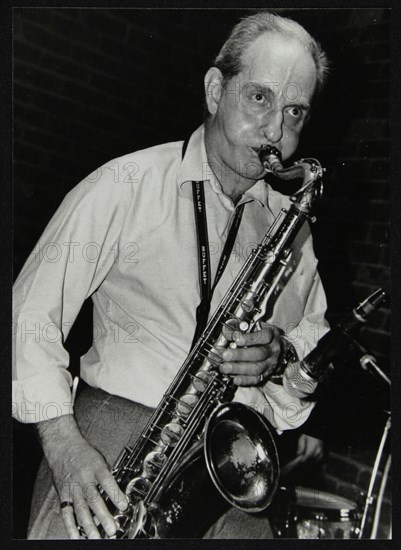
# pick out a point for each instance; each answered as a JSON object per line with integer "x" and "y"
{"x": 310, "y": 170}
{"x": 312, "y": 184}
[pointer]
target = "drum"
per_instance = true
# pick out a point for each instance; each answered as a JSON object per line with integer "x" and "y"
{"x": 315, "y": 514}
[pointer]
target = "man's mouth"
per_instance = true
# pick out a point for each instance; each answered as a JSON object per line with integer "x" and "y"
{"x": 256, "y": 150}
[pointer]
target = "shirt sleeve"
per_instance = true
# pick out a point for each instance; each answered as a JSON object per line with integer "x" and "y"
{"x": 283, "y": 411}
{"x": 313, "y": 325}
{"x": 70, "y": 261}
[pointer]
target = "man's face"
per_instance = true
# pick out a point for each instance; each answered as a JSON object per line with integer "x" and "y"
{"x": 266, "y": 103}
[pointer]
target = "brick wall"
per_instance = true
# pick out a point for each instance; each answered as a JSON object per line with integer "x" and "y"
{"x": 93, "y": 84}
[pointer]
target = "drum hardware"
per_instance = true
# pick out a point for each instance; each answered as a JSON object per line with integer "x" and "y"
{"x": 369, "y": 500}
{"x": 322, "y": 515}
{"x": 369, "y": 363}
{"x": 380, "y": 500}
{"x": 306, "y": 513}
{"x": 279, "y": 516}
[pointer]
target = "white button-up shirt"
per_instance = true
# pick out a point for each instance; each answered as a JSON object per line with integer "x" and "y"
{"x": 126, "y": 237}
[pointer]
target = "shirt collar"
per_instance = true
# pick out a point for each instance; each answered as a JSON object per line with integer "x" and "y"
{"x": 195, "y": 167}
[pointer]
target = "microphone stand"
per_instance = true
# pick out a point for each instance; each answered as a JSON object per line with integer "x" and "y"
{"x": 369, "y": 364}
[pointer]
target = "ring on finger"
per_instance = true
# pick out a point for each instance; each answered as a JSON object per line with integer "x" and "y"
{"x": 261, "y": 378}
{"x": 66, "y": 504}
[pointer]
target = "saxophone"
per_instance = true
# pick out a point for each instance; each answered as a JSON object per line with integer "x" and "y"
{"x": 200, "y": 451}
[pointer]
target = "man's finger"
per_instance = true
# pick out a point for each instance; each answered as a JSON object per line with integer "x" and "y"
{"x": 252, "y": 354}
{"x": 245, "y": 380}
{"x": 85, "y": 518}
{"x": 247, "y": 369}
{"x": 109, "y": 485}
{"x": 263, "y": 337}
{"x": 99, "y": 508}
{"x": 68, "y": 517}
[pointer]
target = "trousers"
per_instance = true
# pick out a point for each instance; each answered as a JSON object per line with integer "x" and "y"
{"x": 109, "y": 423}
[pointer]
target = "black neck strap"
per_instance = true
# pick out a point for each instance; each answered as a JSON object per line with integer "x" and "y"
{"x": 206, "y": 287}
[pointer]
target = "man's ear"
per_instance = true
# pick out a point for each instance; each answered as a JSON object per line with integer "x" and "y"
{"x": 213, "y": 89}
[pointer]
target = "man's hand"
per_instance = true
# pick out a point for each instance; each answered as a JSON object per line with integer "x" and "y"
{"x": 78, "y": 470}
{"x": 255, "y": 357}
{"x": 310, "y": 448}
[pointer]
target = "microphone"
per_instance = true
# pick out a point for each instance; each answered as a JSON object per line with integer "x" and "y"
{"x": 301, "y": 378}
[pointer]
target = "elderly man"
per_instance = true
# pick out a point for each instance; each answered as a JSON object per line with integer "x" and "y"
{"x": 128, "y": 239}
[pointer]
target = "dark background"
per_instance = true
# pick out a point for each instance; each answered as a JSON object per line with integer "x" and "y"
{"x": 94, "y": 84}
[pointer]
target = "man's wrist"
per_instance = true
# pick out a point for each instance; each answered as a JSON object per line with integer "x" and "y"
{"x": 56, "y": 432}
{"x": 288, "y": 355}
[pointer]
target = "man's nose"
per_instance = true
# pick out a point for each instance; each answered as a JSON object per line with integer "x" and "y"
{"x": 273, "y": 126}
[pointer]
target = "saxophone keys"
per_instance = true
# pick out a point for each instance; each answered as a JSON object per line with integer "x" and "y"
{"x": 186, "y": 404}
{"x": 139, "y": 486}
{"x": 248, "y": 306}
{"x": 200, "y": 380}
{"x": 153, "y": 463}
{"x": 171, "y": 434}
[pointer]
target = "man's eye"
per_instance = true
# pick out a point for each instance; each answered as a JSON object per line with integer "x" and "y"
{"x": 295, "y": 112}
{"x": 258, "y": 97}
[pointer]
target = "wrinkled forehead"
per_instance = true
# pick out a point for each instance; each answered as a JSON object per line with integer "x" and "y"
{"x": 280, "y": 60}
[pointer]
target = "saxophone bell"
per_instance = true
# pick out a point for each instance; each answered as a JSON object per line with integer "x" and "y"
{"x": 241, "y": 456}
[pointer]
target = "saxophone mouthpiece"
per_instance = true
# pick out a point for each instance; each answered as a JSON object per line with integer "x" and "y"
{"x": 270, "y": 157}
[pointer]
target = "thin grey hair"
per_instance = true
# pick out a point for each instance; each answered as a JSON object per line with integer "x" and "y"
{"x": 251, "y": 27}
